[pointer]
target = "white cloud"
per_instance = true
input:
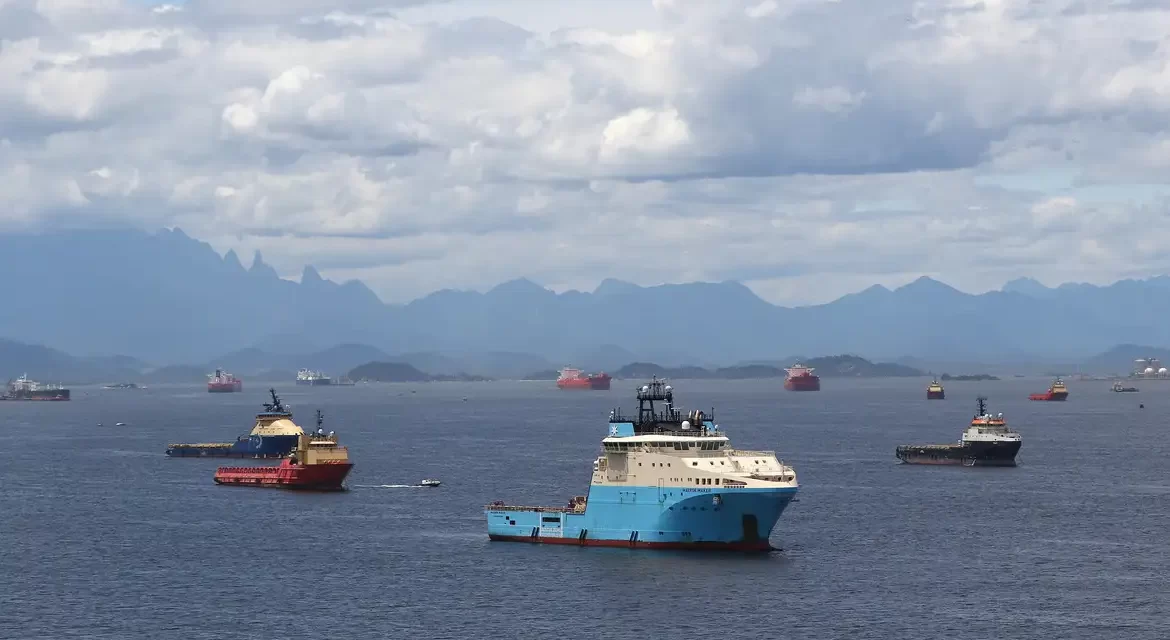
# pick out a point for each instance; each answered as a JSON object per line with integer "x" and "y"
{"x": 807, "y": 147}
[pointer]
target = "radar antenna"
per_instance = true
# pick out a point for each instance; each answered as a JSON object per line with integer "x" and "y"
{"x": 275, "y": 406}
{"x": 320, "y": 418}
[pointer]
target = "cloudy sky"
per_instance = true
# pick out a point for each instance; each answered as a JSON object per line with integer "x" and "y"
{"x": 808, "y": 148}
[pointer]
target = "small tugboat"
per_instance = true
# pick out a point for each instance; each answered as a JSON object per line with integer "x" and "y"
{"x": 801, "y": 378}
{"x": 1118, "y": 388}
{"x": 1056, "y": 393}
{"x": 934, "y": 391}
{"x": 24, "y": 389}
{"x": 318, "y": 463}
{"x": 987, "y": 442}
{"x": 274, "y": 435}
{"x": 717, "y": 498}
{"x": 429, "y": 482}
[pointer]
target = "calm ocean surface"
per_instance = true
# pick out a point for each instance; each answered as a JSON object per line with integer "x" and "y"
{"x": 102, "y": 536}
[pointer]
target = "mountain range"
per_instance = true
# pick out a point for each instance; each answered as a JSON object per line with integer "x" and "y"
{"x": 164, "y": 298}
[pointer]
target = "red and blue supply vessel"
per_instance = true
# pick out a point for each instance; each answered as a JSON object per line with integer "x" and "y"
{"x": 317, "y": 464}
{"x": 274, "y": 435}
{"x": 223, "y": 382}
{"x": 716, "y": 498}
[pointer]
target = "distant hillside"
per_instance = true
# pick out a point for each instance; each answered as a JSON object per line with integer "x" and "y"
{"x": 847, "y": 366}
{"x": 388, "y": 372}
{"x": 1121, "y": 360}
{"x": 402, "y": 372}
{"x": 829, "y": 367}
{"x": 50, "y": 365}
{"x": 167, "y": 298}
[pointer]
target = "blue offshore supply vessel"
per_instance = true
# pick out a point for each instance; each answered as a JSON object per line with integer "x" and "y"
{"x": 665, "y": 481}
{"x": 274, "y": 436}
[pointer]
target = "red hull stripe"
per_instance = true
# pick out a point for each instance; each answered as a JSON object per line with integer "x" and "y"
{"x": 640, "y": 544}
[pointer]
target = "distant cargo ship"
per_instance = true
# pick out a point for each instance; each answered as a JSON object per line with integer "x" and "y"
{"x": 987, "y": 442}
{"x": 223, "y": 382}
{"x": 1119, "y": 388}
{"x": 934, "y": 391}
{"x": 24, "y": 389}
{"x": 313, "y": 378}
{"x": 718, "y": 498}
{"x": 273, "y": 436}
{"x": 802, "y": 378}
{"x": 571, "y": 378}
{"x": 318, "y": 463}
{"x": 1056, "y": 393}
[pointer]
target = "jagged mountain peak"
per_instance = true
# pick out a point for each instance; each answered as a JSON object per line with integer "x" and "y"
{"x": 519, "y": 286}
{"x": 309, "y": 275}
{"x": 233, "y": 261}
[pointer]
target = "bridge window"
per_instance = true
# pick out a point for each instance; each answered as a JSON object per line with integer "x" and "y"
{"x": 716, "y": 480}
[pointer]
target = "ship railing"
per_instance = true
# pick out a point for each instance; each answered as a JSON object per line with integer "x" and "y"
{"x": 200, "y": 445}
{"x": 748, "y": 453}
{"x": 512, "y": 507}
{"x": 687, "y": 433}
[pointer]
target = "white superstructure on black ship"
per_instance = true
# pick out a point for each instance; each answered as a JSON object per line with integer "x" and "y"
{"x": 988, "y": 441}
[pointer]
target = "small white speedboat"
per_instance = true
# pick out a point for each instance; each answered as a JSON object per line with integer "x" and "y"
{"x": 429, "y": 482}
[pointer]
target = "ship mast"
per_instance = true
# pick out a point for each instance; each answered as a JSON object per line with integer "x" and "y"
{"x": 657, "y": 390}
{"x": 982, "y": 400}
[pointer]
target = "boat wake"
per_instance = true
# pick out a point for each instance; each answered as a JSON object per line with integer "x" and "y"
{"x": 388, "y": 486}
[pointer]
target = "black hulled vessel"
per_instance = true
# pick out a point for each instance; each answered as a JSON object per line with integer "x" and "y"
{"x": 987, "y": 442}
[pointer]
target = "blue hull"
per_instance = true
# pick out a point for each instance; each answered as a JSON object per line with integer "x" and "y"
{"x": 651, "y": 517}
{"x": 246, "y": 447}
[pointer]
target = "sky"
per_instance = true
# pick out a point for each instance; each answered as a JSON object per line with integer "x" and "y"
{"x": 808, "y": 148}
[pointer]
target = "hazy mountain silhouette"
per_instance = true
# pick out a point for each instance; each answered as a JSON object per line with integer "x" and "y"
{"x": 166, "y": 298}
{"x": 1122, "y": 359}
{"x": 50, "y": 365}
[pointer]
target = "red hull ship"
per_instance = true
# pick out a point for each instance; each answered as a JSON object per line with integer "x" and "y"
{"x": 576, "y": 379}
{"x": 223, "y": 382}
{"x": 1056, "y": 393}
{"x": 801, "y": 378}
{"x": 318, "y": 463}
